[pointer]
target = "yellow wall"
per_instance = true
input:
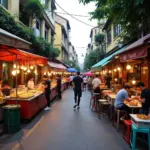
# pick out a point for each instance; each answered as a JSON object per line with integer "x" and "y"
{"x": 114, "y": 41}
{"x": 58, "y": 39}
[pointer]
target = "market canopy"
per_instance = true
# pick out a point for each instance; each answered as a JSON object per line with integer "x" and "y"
{"x": 11, "y": 54}
{"x": 56, "y": 65}
{"x": 106, "y": 60}
{"x": 9, "y": 39}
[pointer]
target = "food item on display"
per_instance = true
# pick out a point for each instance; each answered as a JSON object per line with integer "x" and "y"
{"x": 26, "y": 95}
{"x": 32, "y": 91}
{"x": 13, "y": 95}
{"x": 133, "y": 103}
{"x": 143, "y": 117}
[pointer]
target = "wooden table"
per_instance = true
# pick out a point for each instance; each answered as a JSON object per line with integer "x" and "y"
{"x": 133, "y": 107}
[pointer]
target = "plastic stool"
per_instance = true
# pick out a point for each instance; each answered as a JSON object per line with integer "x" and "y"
{"x": 127, "y": 131}
{"x": 141, "y": 130}
{"x": 117, "y": 123}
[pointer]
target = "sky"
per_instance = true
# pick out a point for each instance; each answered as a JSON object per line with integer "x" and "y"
{"x": 80, "y": 33}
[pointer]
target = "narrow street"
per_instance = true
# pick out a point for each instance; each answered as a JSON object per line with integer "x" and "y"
{"x": 63, "y": 128}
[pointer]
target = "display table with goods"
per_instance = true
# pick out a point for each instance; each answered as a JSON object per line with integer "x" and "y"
{"x": 31, "y": 102}
{"x": 64, "y": 84}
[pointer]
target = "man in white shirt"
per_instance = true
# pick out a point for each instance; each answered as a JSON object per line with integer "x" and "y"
{"x": 30, "y": 83}
{"x": 96, "y": 82}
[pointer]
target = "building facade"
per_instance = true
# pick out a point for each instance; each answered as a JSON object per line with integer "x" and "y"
{"x": 113, "y": 40}
{"x": 72, "y": 54}
{"x": 62, "y": 30}
{"x": 43, "y": 26}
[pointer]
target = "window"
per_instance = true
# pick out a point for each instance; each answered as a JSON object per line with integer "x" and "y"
{"x": 46, "y": 33}
{"x": 38, "y": 25}
{"x": 117, "y": 30}
{"x": 4, "y": 3}
{"x": 109, "y": 36}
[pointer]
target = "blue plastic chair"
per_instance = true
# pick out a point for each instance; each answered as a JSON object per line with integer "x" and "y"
{"x": 133, "y": 136}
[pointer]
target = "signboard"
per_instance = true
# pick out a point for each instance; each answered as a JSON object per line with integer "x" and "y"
{"x": 6, "y": 40}
{"x": 134, "y": 54}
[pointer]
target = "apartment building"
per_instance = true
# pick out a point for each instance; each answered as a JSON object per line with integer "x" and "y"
{"x": 43, "y": 26}
{"x": 113, "y": 40}
{"x": 72, "y": 54}
{"x": 62, "y": 29}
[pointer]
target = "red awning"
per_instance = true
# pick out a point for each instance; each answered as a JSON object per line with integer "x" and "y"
{"x": 12, "y": 54}
{"x": 136, "y": 53}
{"x": 56, "y": 65}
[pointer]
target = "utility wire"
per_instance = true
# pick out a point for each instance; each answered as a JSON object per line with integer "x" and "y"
{"x": 73, "y": 16}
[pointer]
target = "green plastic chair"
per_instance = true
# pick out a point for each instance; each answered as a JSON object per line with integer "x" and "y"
{"x": 133, "y": 136}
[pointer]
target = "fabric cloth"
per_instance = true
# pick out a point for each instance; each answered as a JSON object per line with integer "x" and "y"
{"x": 77, "y": 83}
{"x": 30, "y": 84}
{"x": 146, "y": 95}
{"x": 96, "y": 82}
{"x": 121, "y": 96}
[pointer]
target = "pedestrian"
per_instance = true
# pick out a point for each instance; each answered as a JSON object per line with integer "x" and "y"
{"x": 145, "y": 98}
{"x": 71, "y": 79}
{"x": 47, "y": 83}
{"x": 85, "y": 82}
{"x": 77, "y": 86}
{"x": 59, "y": 86}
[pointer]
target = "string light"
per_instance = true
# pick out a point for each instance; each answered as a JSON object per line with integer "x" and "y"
{"x": 128, "y": 67}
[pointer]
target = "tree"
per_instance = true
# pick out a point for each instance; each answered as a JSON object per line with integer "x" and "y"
{"x": 72, "y": 64}
{"x": 92, "y": 58}
{"x": 133, "y": 15}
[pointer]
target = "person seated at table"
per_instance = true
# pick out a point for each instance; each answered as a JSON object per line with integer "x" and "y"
{"x": 30, "y": 83}
{"x": 96, "y": 82}
{"x": 145, "y": 98}
{"x": 122, "y": 96}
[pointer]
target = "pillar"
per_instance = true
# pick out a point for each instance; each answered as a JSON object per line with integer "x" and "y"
{"x": 13, "y": 8}
{"x": 42, "y": 29}
{"x": 49, "y": 35}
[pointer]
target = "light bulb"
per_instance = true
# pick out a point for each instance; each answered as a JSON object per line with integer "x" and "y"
{"x": 14, "y": 72}
{"x": 28, "y": 71}
{"x": 116, "y": 79}
{"x": 44, "y": 73}
{"x": 115, "y": 70}
{"x": 128, "y": 67}
{"x": 25, "y": 68}
{"x": 18, "y": 71}
{"x": 15, "y": 66}
{"x": 133, "y": 82}
{"x": 118, "y": 68}
{"x": 31, "y": 67}
{"x": 109, "y": 71}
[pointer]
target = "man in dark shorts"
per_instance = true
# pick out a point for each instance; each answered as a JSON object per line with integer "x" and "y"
{"x": 145, "y": 98}
{"x": 77, "y": 86}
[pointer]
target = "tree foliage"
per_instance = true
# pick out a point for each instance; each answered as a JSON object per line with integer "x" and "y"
{"x": 133, "y": 15}
{"x": 99, "y": 39}
{"x": 92, "y": 58}
{"x": 39, "y": 45}
{"x": 73, "y": 64}
{"x": 34, "y": 8}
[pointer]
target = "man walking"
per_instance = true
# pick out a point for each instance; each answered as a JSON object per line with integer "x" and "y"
{"x": 77, "y": 86}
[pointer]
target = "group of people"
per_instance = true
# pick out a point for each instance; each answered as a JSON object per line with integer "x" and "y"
{"x": 122, "y": 96}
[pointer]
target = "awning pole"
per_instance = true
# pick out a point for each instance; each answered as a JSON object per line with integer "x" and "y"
{"x": 16, "y": 80}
